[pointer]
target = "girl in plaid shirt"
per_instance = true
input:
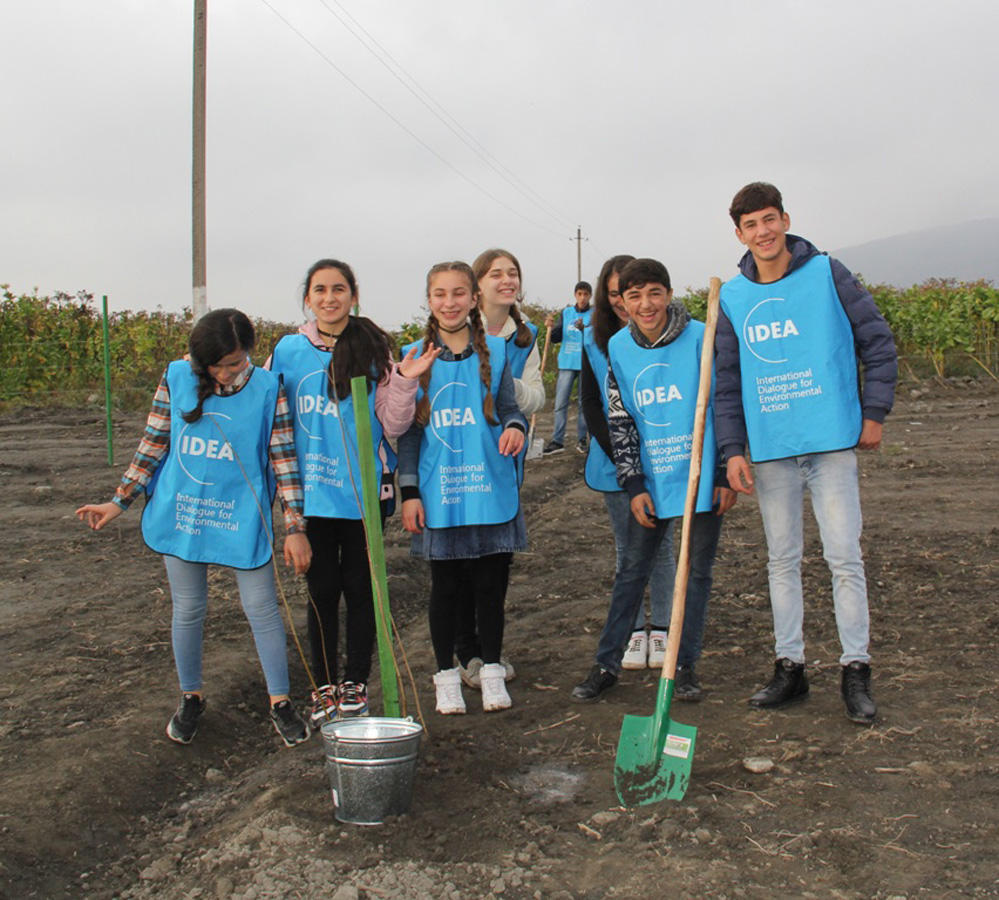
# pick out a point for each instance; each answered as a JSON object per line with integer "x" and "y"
{"x": 218, "y": 442}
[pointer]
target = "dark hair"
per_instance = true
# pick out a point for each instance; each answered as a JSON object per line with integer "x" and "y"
{"x": 214, "y": 336}
{"x": 483, "y": 262}
{"x": 432, "y": 333}
{"x": 604, "y": 320}
{"x": 583, "y": 286}
{"x": 753, "y": 197}
{"x": 362, "y": 347}
{"x": 640, "y": 272}
{"x": 342, "y": 267}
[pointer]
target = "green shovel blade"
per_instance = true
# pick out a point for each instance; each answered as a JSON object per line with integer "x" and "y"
{"x": 654, "y": 755}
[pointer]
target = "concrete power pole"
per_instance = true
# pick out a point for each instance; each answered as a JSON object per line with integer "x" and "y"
{"x": 199, "y": 299}
{"x": 579, "y": 253}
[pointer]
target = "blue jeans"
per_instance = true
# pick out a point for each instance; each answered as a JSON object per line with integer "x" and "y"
{"x": 641, "y": 549}
{"x": 663, "y": 568}
{"x": 831, "y": 479}
{"x": 189, "y": 590}
{"x": 563, "y": 390}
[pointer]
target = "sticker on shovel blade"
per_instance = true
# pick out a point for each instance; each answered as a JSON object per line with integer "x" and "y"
{"x": 676, "y": 745}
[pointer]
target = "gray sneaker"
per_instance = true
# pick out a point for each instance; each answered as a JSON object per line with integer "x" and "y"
{"x": 288, "y": 723}
{"x": 183, "y": 725}
{"x": 685, "y": 684}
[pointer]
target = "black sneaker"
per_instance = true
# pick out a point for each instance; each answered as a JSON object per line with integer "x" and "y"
{"x": 183, "y": 725}
{"x": 856, "y": 690}
{"x": 596, "y": 683}
{"x": 789, "y": 685}
{"x": 552, "y": 447}
{"x": 685, "y": 684}
{"x": 288, "y": 723}
{"x": 582, "y": 445}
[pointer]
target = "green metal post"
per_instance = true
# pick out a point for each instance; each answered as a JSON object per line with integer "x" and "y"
{"x": 107, "y": 380}
{"x": 370, "y": 480}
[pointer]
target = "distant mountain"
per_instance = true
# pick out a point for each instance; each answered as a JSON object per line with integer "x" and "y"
{"x": 967, "y": 252}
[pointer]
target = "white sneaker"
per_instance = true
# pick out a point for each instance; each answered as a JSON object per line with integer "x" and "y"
{"x": 657, "y": 649}
{"x": 636, "y": 654}
{"x": 449, "y": 699}
{"x": 509, "y": 671}
{"x": 470, "y": 673}
{"x": 494, "y": 695}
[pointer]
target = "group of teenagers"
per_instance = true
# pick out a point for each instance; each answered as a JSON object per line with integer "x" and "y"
{"x": 224, "y": 436}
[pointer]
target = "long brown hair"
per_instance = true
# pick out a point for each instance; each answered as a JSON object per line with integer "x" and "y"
{"x": 431, "y": 336}
{"x": 482, "y": 264}
{"x": 605, "y": 321}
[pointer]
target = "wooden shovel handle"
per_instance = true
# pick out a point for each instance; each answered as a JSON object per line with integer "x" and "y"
{"x": 693, "y": 481}
{"x": 544, "y": 359}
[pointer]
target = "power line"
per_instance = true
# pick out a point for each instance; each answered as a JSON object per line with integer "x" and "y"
{"x": 442, "y": 114}
{"x": 408, "y": 130}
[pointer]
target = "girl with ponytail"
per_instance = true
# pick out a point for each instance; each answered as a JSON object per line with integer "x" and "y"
{"x": 316, "y": 366}
{"x": 458, "y": 479}
{"x": 218, "y": 442}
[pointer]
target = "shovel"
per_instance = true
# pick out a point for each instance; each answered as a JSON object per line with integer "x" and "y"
{"x": 536, "y": 446}
{"x": 654, "y": 754}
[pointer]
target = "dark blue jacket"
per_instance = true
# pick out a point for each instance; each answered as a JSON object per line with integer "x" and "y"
{"x": 872, "y": 339}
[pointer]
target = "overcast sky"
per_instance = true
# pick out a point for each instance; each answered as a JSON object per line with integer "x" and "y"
{"x": 635, "y": 120}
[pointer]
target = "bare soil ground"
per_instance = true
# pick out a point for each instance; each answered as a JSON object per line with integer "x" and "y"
{"x": 97, "y": 802}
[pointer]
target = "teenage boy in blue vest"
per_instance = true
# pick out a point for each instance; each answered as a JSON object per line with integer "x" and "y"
{"x": 793, "y": 325}
{"x": 569, "y": 332}
{"x": 651, "y": 397}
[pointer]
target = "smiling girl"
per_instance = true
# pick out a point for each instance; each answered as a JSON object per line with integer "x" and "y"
{"x": 217, "y": 441}
{"x": 459, "y": 483}
{"x": 316, "y": 366}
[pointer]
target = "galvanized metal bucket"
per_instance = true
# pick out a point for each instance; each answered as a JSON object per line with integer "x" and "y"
{"x": 371, "y": 764}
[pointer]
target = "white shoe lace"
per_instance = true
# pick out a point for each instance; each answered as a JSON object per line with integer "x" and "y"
{"x": 449, "y": 696}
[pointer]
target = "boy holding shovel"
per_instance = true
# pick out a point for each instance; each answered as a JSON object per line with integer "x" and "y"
{"x": 651, "y": 398}
{"x": 792, "y": 326}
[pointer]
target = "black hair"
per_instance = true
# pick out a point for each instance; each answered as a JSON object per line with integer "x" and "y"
{"x": 583, "y": 286}
{"x": 362, "y": 348}
{"x": 605, "y": 321}
{"x": 754, "y": 197}
{"x": 643, "y": 271}
{"x": 214, "y": 336}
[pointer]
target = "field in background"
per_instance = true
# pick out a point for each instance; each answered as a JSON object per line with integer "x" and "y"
{"x": 52, "y": 348}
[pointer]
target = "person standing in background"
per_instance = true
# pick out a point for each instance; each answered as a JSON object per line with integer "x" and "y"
{"x": 569, "y": 332}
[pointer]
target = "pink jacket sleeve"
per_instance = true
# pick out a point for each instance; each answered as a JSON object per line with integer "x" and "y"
{"x": 395, "y": 402}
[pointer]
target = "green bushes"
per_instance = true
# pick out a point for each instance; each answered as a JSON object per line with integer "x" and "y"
{"x": 51, "y": 348}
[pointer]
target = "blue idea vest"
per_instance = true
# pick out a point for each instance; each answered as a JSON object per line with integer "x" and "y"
{"x": 203, "y": 498}
{"x": 324, "y": 461}
{"x": 599, "y": 473}
{"x": 798, "y": 364}
{"x": 516, "y": 358}
{"x": 659, "y": 391}
{"x": 464, "y": 479}
{"x": 570, "y": 354}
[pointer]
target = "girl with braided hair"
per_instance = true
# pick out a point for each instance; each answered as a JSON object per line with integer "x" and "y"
{"x": 458, "y": 480}
{"x": 218, "y": 443}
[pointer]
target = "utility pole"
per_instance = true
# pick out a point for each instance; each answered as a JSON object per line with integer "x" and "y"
{"x": 199, "y": 299}
{"x": 579, "y": 252}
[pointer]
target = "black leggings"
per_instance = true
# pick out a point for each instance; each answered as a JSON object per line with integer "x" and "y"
{"x": 456, "y": 584}
{"x": 339, "y": 566}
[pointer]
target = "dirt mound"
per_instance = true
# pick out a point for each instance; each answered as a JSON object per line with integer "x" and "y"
{"x": 97, "y": 802}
